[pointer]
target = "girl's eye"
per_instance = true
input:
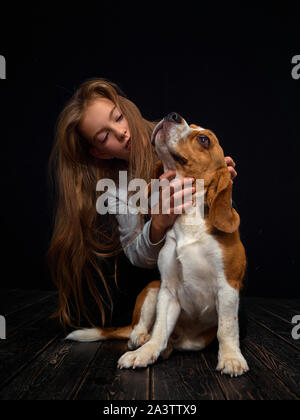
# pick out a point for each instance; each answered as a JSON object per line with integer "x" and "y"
{"x": 204, "y": 141}
{"x": 120, "y": 117}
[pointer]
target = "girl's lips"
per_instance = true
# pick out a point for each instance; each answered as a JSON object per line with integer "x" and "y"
{"x": 128, "y": 144}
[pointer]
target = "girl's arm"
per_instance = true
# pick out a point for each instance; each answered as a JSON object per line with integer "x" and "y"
{"x": 142, "y": 246}
{"x": 136, "y": 243}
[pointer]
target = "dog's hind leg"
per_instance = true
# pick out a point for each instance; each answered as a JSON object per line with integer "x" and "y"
{"x": 138, "y": 332}
{"x": 144, "y": 315}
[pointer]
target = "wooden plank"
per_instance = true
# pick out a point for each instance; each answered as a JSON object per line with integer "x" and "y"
{"x": 270, "y": 387}
{"x": 41, "y": 309}
{"x": 184, "y": 376}
{"x": 104, "y": 381}
{"x": 257, "y": 384}
{"x": 16, "y": 300}
{"x": 273, "y": 323}
{"x": 34, "y": 364}
{"x": 290, "y": 303}
{"x": 294, "y": 305}
{"x": 19, "y": 350}
{"x": 281, "y": 359}
{"x": 239, "y": 388}
{"x": 55, "y": 374}
{"x": 282, "y": 308}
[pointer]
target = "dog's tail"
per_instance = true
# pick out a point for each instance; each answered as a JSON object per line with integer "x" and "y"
{"x": 99, "y": 334}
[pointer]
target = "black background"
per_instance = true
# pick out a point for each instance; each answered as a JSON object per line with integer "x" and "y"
{"x": 227, "y": 69}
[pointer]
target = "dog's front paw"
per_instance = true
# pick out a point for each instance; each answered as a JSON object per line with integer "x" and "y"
{"x": 142, "y": 357}
{"x": 233, "y": 364}
{"x": 138, "y": 338}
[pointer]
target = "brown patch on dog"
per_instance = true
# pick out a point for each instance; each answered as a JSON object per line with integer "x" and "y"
{"x": 124, "y": 332}
{"x": 141, "y": 299}
{"x": 234, "y": 259}
{"x": 218, "y": 198}
{"x": 234, "y": 256}
{"x": 117, "y": 333}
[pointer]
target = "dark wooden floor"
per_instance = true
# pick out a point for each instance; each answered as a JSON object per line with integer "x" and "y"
{"x": 37, "y": 363}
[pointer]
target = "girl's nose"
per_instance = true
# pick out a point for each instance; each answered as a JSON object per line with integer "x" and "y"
{"x": 122, "y": 134}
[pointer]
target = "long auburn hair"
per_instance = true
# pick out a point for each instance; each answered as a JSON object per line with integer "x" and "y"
{"x": 82, "y": 239}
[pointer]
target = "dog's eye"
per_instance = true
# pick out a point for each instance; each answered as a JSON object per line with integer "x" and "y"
{"x": 204, "y": 141}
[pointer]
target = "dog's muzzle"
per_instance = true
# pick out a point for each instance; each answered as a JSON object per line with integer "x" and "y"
{"x": 172, "y": 118}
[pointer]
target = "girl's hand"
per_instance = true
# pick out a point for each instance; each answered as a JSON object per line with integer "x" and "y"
{"x": 162, "y": 222}
{"x": 231, "y": 165}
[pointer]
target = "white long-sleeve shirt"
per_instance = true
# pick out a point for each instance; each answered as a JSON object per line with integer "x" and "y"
{"x": 135, "y": 241}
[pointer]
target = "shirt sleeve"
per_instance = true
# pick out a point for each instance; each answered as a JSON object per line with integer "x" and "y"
{"x": 136, "y": 243}
{"x": 135, "y": 240}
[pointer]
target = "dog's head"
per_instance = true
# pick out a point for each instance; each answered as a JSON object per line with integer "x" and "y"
{"x": 195, "y": 152}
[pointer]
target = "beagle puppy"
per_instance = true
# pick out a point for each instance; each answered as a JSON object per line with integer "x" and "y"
{"x": 202, "y": 265}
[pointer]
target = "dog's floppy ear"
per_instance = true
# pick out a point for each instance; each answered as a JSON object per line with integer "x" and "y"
{"x": 221, "y": 214}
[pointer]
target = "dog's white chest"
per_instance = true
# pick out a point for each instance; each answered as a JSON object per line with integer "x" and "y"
{"x": 199, "y": 261}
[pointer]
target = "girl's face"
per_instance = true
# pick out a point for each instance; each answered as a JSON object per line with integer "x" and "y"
{"x": 104, "y": 126}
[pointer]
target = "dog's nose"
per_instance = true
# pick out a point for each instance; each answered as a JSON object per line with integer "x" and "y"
{"x": 174, "y": 117}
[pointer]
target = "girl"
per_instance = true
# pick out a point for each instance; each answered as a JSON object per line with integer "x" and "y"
{"x": 99, "y": 133}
